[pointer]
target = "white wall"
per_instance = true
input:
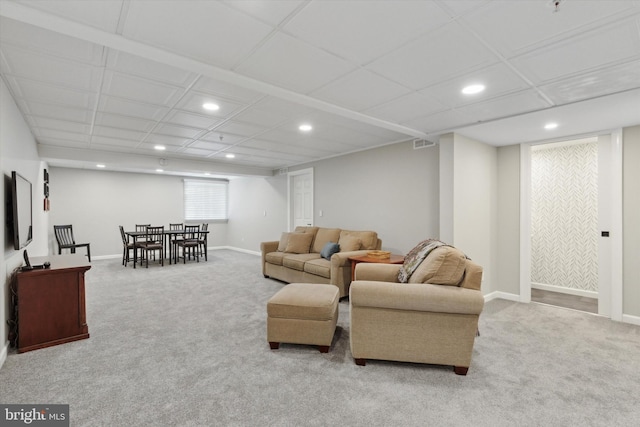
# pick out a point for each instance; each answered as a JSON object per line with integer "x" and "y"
{"x": 96, "y": 202}
{"x": 631, "y": 220}
{"x": 508, "y": 211}
{"x": 257, "y": 211}
{"x": 392, "y": 190}
{"x": 17, "y": 152}
{"x": 473, "y": 184}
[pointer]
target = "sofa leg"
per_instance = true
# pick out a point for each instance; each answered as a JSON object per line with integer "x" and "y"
{"x": 461, "y": 370}
{"x": 361, "y": 362}
{"x": 274, "y": 345}
{"x": 323, "y": 348}
{"x": 265, "y": 276}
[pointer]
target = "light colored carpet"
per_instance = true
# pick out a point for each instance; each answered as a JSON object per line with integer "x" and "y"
{"x": 185, "y": 345}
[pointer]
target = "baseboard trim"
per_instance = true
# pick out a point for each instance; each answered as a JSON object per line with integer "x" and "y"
{"x": 501, "y": 295}
{"x": 563, "y": 290}
{"x": 634, "y": 320}
{"x": 3, "y": 353}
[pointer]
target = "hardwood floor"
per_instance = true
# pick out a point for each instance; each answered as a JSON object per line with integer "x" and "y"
{"x": 590, "y": 305}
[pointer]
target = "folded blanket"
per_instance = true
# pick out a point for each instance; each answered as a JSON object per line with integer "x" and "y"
{"x": 416, "y": 256}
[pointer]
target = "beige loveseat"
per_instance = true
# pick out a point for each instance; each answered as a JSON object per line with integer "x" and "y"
{"x": 296, "y": 257}
{"x": 419, "y": 321}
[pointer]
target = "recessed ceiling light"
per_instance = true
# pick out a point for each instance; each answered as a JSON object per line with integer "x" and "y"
{"x": 305, "y": 127}
{"x": 100, "y": 165}
{"x": 210, "y": 106}
{"x": 550, "y": 126}
{"x": 160, "y": 147}
{"x": 473, "y": 89}
{"x": 230, "y": 156}
{"x": 159, "y": 170}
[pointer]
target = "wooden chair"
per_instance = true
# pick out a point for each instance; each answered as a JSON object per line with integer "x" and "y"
{"x": 174, "y": 238}
{"x": 154, "y": 241}
{"x": 65, "y": 239}
{"x": 202, "y": 241}
{"x": 126, "y": 246}
{"x": 189, "y": 243}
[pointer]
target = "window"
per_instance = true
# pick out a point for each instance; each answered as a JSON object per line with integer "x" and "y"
{"x": 205, "y": 200}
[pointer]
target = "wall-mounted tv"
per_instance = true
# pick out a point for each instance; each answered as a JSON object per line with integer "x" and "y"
{"x": 21, "y": 196}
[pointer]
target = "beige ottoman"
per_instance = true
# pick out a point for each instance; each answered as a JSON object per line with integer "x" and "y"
{"x": 303, "y": 313}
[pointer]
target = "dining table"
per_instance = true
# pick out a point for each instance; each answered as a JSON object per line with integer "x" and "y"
{"x": 167, "y": 234}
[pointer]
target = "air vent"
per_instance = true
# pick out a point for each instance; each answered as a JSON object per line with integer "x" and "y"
{"x": 422, "y": 143}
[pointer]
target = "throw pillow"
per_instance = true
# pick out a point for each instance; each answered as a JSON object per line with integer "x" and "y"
{"x": 329, "y": 249}
{"x": 284, "y": 239}
{"x": 349, "y": 243}
{"x": 299, "y": 243}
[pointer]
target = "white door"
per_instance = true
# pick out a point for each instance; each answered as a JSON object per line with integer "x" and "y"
{"x": 301, "y": 198}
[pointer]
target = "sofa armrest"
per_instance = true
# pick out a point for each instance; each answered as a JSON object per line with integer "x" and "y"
{"x": 416, "y": 297}
{"x": 378, "y": 272}
{"x": 266, "y": 247}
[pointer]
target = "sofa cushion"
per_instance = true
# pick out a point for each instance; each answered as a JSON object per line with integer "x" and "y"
{"x": 443, "y": 266}
{"x": 320, "y": 267}
{"x": 329, "y": 249}
{"x": 368, "y": 239}
{"x": 274, "y": 258}
{"x": 299, "y": 243}
{"x": 284, "y": 239}
{"x": 324, "y": 236}
{"x": 296, "y": 261}
{"x": 349, "y": 243}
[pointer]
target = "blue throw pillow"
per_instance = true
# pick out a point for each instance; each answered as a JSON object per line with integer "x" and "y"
{"x": 329, "y": 249}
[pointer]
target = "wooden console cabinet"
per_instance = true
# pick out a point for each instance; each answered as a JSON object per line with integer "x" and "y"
{"x": 50, "y": 303}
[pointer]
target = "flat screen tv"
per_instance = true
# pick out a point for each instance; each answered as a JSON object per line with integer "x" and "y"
{"x": 21, "y": 210}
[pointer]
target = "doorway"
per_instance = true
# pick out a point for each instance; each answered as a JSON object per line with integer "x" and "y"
{"x": 300, "y": 191}
{"x": 609, "y": 228}
{"x": 564, "y": 224}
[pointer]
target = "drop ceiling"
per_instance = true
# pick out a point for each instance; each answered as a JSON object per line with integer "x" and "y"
{"x": 104, "y": 82}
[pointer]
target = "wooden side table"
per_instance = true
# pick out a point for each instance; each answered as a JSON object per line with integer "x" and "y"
{"x": 393, "y": 259}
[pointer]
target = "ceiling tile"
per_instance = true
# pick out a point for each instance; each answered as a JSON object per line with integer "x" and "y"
{"x": 46, "y": 68}
{"x": 98, "y": 14}
{"x": 77, "y": 115}
{"x": 181, "y": 131}
{"x": 118, "y": 133}
{"x": 226, "y": 90}
{"x": 272, "y": 12}
{"x": 46, "y": 123}
{"x": 55, "y": 94}
{"x": 406, "y": 108}
{"x": 167, "y": 140}
{"x": 152, "y": 70}
{"x": 240, "y": 128}
{"x": 360, "y": 90}
{"x": 110, "y": 104}
{"x": 596, "y": 83}
{"x": 139, "y": 89}
{"x": 196, "y": 151}
{"x": 125, "y": 122}
{"x": 434, "y": 57}
{"x": 515, "y": 19}
{"x": 227, "y": 138}
{"x": 580, "y": 54}
{"x": 50, "y": 43}
{"x": 292, "y": 64}
{"x": 209, "y": 146}
{"x": 194, "y": 120}
{"x": 442, "y": 121}
{"x": 208, "y": 31}
{"x": 362, "y": 31}
{"x": 508, "y": 105}
{"x": 498, "y": 79}
{"x": 193, "y": 102}
{"x": 63, "y": 135}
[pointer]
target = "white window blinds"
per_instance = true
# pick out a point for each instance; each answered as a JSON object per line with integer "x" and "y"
{"x": 205, "y": 200}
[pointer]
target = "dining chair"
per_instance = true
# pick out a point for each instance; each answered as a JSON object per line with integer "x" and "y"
{"x": 202, "y": 240}
{"x": 174, "y": 238}
{"x": 65, "y": 239}
{"x": 126, "y": 246}
{"x": 189, "y": 243}
{"x": 154, "y": 241}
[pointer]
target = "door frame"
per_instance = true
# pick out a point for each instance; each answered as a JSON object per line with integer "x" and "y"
{"x": 615, "y": 216}
{"x": 291, "y": 201}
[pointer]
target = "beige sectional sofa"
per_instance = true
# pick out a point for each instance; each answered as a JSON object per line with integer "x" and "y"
{"x": 297, "y": 256}
{"x": 432, "y": 319}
